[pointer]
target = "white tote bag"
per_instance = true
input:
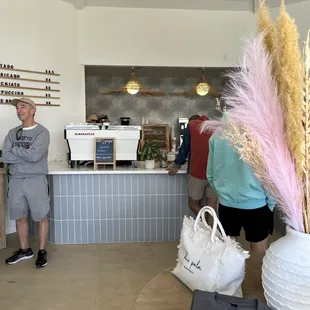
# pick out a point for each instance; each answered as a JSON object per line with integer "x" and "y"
{"x": 208, "y": 260}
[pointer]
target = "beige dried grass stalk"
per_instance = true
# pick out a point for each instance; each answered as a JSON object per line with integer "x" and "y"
{"x": 306, "y": 133}
{"x": 265, "y": 24}
{"x": 244, "y": 143}
{"x": 291, "y": 85}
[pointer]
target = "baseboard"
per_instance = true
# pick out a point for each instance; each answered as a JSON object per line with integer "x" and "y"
{"x": 10, "y": 230}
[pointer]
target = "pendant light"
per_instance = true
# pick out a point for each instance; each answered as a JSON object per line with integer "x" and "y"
{"x": 202, "y": 87}
{"x": 132, "y": 85}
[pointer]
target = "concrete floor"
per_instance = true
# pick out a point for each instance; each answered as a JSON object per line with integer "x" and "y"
{"x": 99, "y": 276}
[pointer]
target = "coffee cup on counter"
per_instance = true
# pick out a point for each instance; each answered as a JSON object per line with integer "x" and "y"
{"x": 105, "y": 125}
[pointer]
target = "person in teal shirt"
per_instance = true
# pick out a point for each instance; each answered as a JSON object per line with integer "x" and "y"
{"x": 243, "y": 203}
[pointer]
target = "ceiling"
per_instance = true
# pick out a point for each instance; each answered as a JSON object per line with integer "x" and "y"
{"x": 219, "y": 5}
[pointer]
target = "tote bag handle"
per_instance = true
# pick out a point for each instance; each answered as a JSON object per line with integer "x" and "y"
{"x": 216, "y": 222}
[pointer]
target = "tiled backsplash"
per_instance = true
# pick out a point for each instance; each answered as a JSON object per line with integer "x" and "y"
{"x": 162, "y": 109}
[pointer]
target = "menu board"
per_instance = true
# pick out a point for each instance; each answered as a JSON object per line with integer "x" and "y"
{"x": 104, "y": 152}
{"x": 17, "y": 82}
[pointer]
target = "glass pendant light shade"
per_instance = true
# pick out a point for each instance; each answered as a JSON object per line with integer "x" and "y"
{"x": 132, "y": 87}
{"x": 202, "y": 88}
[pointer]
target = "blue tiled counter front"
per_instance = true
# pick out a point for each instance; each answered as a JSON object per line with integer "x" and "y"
{"x": 136, "y": 206}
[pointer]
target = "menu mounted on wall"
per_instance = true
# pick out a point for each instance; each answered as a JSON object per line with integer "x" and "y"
{"x": 104, "y": 152}
{"x": 16, "y": 82}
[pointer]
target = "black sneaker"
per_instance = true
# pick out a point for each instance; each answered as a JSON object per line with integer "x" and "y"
{"x": 42, "y": 259}
{"x": 19, "y": 255}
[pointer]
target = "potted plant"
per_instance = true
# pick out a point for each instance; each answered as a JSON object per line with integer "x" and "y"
{"x": 149, "y": 152}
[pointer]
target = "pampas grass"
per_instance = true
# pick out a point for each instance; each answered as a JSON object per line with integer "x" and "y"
{"x": 306, "y": 132}
{"x": 255, "y": 109}
{"x": 291, "y": 85}
{"x": 282, "y": 44}
{"x": 265, "y": 24}
{"x": 244, "y": 142}
{"x": 269, "y": 126}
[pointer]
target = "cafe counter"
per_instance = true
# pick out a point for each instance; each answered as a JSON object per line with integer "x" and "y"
{"x": 121, "y": 205}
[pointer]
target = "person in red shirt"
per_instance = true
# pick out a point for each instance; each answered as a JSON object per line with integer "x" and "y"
{"x": 198, "y": 149}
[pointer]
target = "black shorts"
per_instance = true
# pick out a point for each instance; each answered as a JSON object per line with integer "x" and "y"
{"x": 257, "y": 223}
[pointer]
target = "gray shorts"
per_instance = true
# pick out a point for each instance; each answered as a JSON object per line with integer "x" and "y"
{"x": 29, "y": 193}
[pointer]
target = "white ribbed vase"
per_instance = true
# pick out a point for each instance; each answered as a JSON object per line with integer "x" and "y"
{"x": 286, "y": 272}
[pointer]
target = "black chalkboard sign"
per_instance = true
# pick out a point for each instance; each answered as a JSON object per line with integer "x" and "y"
{"x": 104, "y": 152}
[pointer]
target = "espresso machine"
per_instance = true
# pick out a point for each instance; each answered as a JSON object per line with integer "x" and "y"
{"x": 80, "y": 139}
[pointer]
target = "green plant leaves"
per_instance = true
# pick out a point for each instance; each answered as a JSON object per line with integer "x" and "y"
{"x": 150, "y": 150}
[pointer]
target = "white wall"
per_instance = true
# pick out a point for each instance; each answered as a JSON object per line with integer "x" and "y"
{"x": 38, "y": 35}
{"x": 300, "y": 12}
{"x": 122, "y": 36}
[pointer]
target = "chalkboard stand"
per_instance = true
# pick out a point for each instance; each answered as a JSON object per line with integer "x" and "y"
{"x": 111, "y": 154}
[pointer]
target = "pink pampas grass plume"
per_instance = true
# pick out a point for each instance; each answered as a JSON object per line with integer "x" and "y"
{"x": 253, "y": 102}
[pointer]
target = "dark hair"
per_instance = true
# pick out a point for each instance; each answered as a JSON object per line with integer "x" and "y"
{"x": 194, "y": 117}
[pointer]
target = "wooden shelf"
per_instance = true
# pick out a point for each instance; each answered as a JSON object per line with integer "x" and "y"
{"x": 154, "y": 125}
{"x": 157, "y": 132}
{"x": 29, "y": 80}
{"x": 31, "y": 88}
{"x": 29, "y": 71}
{"x": 38, "y": 104}
{"x": 30, "y": 96}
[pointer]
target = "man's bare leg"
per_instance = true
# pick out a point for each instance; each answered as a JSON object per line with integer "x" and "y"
{"x": 43, "y": 231}
{"x": 259, "y": 248}
{"x": 195, "y": 205}
{"x": 22, "y": 231}
{"x": 213, "y": 203}
{"x": 24, "y": 252}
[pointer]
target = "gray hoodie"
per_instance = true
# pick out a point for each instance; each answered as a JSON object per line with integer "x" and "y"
{"x": 26, "y": 150}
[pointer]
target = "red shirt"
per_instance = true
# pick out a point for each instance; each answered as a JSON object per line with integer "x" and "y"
{"x": 199, "y": 149}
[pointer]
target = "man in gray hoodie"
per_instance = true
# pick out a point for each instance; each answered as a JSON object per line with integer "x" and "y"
{"x": 25, "y": 148}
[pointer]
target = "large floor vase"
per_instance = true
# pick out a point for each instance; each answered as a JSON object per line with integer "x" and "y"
{"x": 286, "y": 272}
